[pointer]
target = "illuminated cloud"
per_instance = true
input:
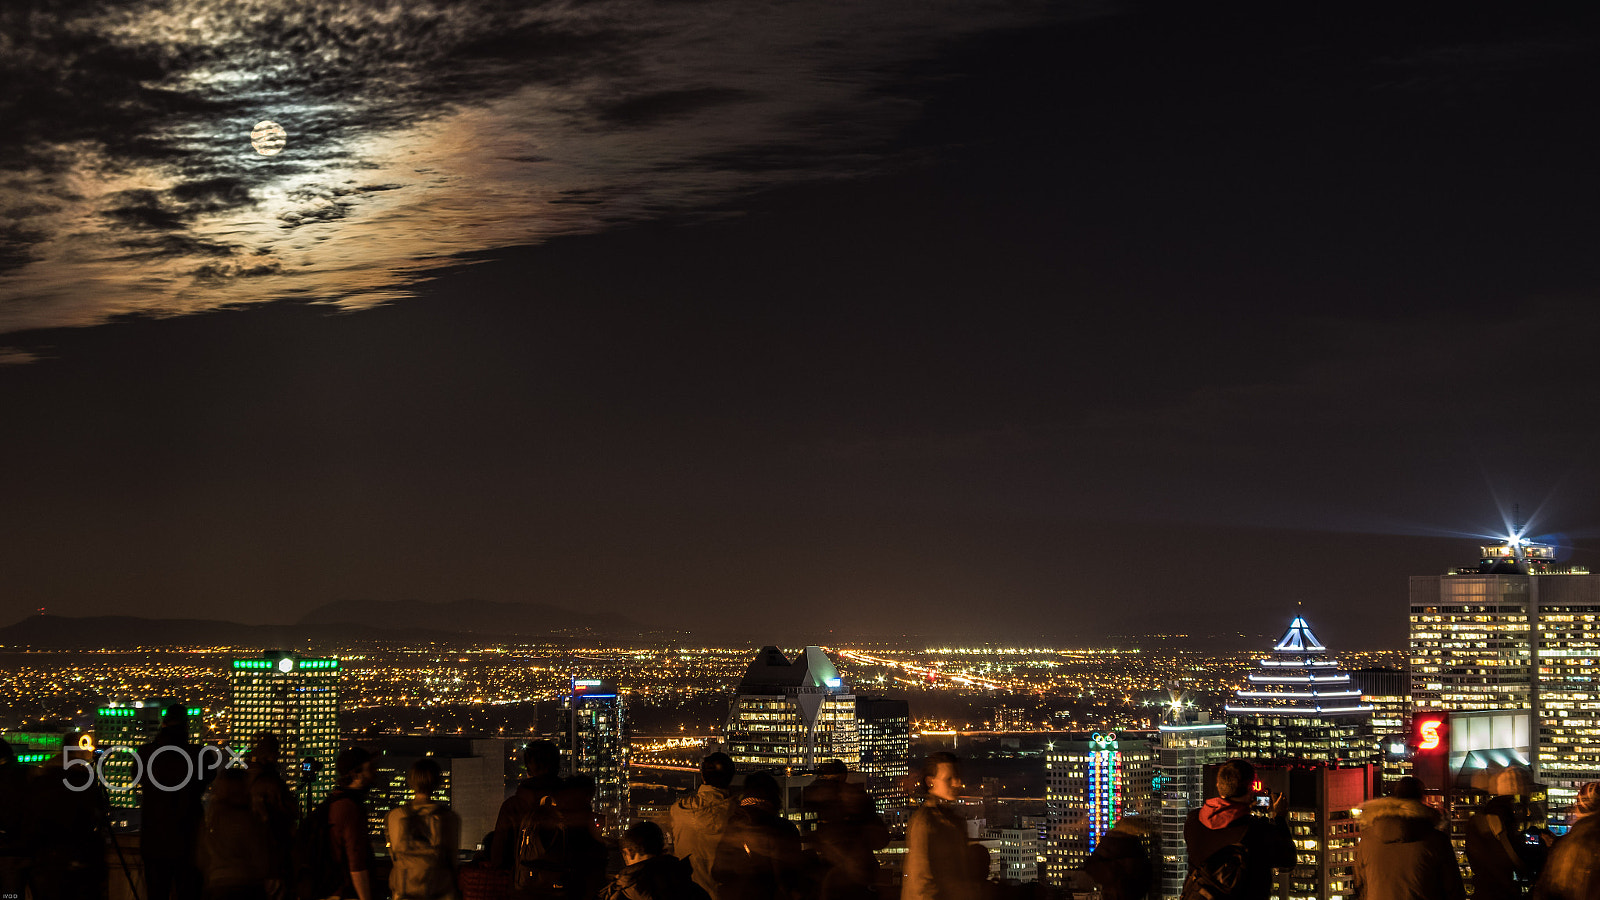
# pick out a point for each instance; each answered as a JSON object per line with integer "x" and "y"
{"x": 419, "y": 133}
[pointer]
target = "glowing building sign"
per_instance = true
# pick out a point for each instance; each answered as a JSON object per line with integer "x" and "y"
{"x": 1428, "y": 735}
{"x": 1105, "y": 785}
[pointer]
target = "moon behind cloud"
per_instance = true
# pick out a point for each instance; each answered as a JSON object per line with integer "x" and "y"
{"x": 268, "y": 138}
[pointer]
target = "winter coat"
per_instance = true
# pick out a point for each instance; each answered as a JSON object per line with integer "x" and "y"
{"x": 423, "y": 839}
{"x": 663, "y": 877}
{"x": 938, "y": 866}
{"x": 758, "y": 857}
{"x": 529, "y": 794}
{"x": 1573, "y": 870}
{"x": 234, "y": 848}
{"x": 1403, "y": 855}
{"x": 697, "y": 825}
{"x": 1501, "y": 858}
{"x": 1219, "y": 824}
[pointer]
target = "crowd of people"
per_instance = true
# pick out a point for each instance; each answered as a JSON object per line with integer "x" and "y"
{"x": 238, "y": 834}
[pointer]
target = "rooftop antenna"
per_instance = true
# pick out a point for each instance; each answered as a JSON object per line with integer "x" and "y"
{"x": 1516, "y": 519}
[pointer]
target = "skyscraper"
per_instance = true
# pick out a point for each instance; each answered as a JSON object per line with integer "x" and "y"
{"x": 128, "y": 725}
{"x": 1515, "y": 632}
{"x": 1190, "y": 741}
{"x": 884, "y": 729}
{"x": 792, "y": 715}
{"x": 297, "y": 699}
{"x": 1299, "y": 705}
{"x": 1090, "y": 784}
{"x": 595, "y": 743}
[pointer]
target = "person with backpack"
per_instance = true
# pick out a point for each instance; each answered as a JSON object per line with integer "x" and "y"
{"x": 424, "y": 835}
{"x": 938, "y": 865}
{"x": 698, "y": 821}
{"x": 542, "y": 760}
{"x": 333, "y": 853}
{"x": 1231, "y": 852}
{"x": 650, "y": 872}
{"x": 1403, "y": 855}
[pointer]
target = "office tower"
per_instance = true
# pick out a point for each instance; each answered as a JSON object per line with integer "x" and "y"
{"x": 297, "y": 699}
{"x": 1323, "y": 801}
{"x": 1515, "y": 632}
{"x": 884, "y": 729}
{"x": 473, "y": 780}
{"x": 1299, "y": 705}
{"x": 129, "y": 725}
{"x": 1017, "y": 851}
{"x": 1090, "y": 784}
{"x": 792, "y": 715}
{"x": 594, "y": 742}
{"x": 1189, "y": 741}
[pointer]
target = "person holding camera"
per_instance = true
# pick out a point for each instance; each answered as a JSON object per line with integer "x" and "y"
{"x": 1231, "y": 851}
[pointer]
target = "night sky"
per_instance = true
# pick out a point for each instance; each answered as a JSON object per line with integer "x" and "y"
{"x": 1016, "y": 321}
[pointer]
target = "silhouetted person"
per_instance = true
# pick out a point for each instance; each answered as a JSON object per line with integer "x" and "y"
{"x": 1121, "y": 862}
{"x": 938, "y": 866}
{"x": 70, "y": 854}
{"x": 1506, "y": 842}
{"x": 650, "y": 872}
{"x": 1225, "y": 820}
{"x": 542, "y": 760}
{"x": 1403, "y": 855}
{"x": 758, "y": 857}
{"x": 424, "y": 835}
{"x": 698, "y": 821}
{"x": 16, "y": 823}
{"x": 235, "y": 852}
{"x": 171, "y": 811}
{"x": 347, "y": 821}
{"x": 845, "y": 834}
{"x": 275, "y": 806}
{"x": 1572, "y": 871}
{"x": 584, "y": 847}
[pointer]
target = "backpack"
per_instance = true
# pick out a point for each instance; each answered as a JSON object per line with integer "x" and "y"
{"x": 543, "y": 864}
{"x": 318, "y": 870}
{"x": 1220, "y": 876}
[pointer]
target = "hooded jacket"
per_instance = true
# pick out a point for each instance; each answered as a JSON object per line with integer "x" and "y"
{"x": 697, "y": 825}
{"x": 1221, "y": 823}
{"x": 1403, "y": 855}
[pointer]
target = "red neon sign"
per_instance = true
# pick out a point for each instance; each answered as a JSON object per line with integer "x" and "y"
{"x": 1430, "y": 735}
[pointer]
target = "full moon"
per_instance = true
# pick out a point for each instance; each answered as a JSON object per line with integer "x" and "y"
{"x": 268, "y": 138}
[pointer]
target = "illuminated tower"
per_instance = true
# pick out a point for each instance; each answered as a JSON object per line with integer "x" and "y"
{"x": 1190, "y": 741}
{"x": 1089, "y": 786}
{"x": 128, "y": 725}
{"x": 594, "y": 731}
{"x": 884, "y": 726}
{"x": 1299, "y": 705}
{"x": 792, "y": 715}
{"x": 1515, "y": 632}
{"x": 297, "y": 699}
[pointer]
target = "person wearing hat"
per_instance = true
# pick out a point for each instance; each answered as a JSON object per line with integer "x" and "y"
{"x": 1216, "y": 830}
{"x": 347, "y": 819}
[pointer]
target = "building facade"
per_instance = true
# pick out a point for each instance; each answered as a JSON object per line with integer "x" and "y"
{"x": 1189, "y": 742}
{"x": 594, "y": 733}
{"x": 1299, "y": 705}
{"x": 792, "y": 715}
{"x": 297, "y": 699}
{"x": 1515, "y": 632}
{"x": 884, "y": 737}
{"x": 1090, "y": 784}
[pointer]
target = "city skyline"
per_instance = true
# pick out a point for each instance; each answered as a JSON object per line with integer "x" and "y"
{"x": 1033, "y": 319}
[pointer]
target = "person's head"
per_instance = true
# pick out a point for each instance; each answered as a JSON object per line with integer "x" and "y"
{"x": 761, "y": 788}
{"x": 833, "y": 770}
{"x": 1236, "y": 780}
{"x": 1588, "y": 802}
{"x": 353, "y": 768}
{"x": 230, "y": 789}
{"x": 542, "y": 759}
{"x": 424, "y": 776}
{"x": 264, "y": 748}
{"x": 175, "y": 718}
{"x": 941, "y": 775}
{"x": 1408, "y": 788}
{"x": 642, "y": 841}
{"x": 717, "y": 770}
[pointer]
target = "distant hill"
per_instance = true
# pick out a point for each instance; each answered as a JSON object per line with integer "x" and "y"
{"x": 94, "y": 632}
{"x": 471, "y": 616}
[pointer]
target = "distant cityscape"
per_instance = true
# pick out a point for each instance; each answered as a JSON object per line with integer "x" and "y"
{"x": 1058, "y": 745}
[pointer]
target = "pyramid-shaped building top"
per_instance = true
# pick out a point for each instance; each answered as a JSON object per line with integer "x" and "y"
{"x": 1298, "y": 704}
